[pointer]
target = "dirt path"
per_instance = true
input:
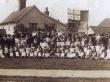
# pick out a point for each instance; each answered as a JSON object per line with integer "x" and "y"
{"x": 56, "y": 73}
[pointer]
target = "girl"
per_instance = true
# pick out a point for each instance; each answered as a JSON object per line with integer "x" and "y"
{"x": 1, "y": 53}
{"x": 11, "y": 52}
{"x": 28, "y": 50}
{"x": 6, "y": 51}
{"x": 35, "y": 52}
{"x": 31, "y": 52}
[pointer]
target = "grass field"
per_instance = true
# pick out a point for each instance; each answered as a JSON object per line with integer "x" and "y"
{"x": 54, "y": 63}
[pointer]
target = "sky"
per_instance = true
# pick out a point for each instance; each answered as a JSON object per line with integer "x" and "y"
{"x": 98, "y": 9}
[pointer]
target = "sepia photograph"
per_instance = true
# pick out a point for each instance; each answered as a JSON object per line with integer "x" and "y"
{"x": 54, "y": 41}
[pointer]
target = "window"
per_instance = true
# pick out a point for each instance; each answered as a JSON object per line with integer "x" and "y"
{"x": 33, "y": 26}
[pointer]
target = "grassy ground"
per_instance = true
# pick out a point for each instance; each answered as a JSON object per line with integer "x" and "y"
{"x": 54, "y": 63}
{"x": 47, "y": 79}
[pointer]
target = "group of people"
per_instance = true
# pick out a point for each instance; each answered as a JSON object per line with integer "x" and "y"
{"x": 56, "y": 44}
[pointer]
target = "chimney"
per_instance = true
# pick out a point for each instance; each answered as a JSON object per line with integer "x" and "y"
{"x": 46, "y": 11}
{"x": 22, "y": 4}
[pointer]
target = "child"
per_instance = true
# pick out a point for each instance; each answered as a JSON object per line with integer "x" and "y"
{"x": 81, "y": 53}
{"x": 22, "y": 52}
{"x": 1, "y": 53}
{"x": 94, "y": 53}
{"x": 108, "y": 54}
{"x": 72, "y": 52}
{"x": 17, "y": 53}
{"x": 11, "y": 52}
{"x": 32, "y": 52}
{"x": 62, "y": 53}
{"x": 39, "y": 49}
{"x": 6, "y": 52}
{"x": 47, "y": 54}
{"x": 27, "y": 50}
{"x": 88, "y": 53}
{"x": 35, "y": 52}
{"x": 58, "y": 52}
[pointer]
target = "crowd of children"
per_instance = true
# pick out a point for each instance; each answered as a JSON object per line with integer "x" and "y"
{"x": 56, "y": 44}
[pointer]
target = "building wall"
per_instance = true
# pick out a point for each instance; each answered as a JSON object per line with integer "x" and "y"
{"x": 90, "y": 31}
{"x": 9, "y": 28}
{"x": 34, "y": 16}
{"x": 83, "y": 27}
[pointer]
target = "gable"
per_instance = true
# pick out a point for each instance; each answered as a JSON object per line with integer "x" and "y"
{"x": 15, "y": 16}
{"x": 32, "y": 15}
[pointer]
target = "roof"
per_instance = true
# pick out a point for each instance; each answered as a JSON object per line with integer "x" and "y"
{"x": 100, "y": 30}
{"x": 94, "y": 28}
{"x": 103, "y": 27}
{"x": 105, "y": 23}
{"x": 17, "y": 15}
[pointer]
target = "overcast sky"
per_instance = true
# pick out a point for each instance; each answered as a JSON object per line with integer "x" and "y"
{"x": 99, "y": 9}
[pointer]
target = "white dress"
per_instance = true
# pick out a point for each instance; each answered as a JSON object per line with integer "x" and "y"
{"x": 23, "y": 54}
{"x": 102, "y": 55}
{"x": 47, "y": 55}
{"x": 27, "y": 51}
{"x": 62, "y": 54}
{"x": 108, "y": 54}
{"x": 81, "y": 54}
{"x": 39, "y": 54}
{"x": 71, "y": 55}
{"x": 31, "y": 54}
{"x": 1, "y": 54}
{"x": 88, "y": 53}
{"x": 11, "y": 54}
{"x": 17, "y": 54}
{"x": 68, "y": 43}
{"x": 35, "y": 53}
{"x": 57, "y": 54}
